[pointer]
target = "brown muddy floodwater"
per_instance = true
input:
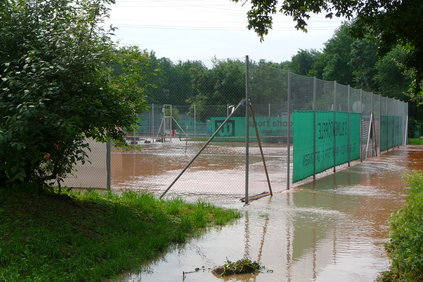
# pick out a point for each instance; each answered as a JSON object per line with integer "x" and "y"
{"x": 330, "y": 230}
{"x": 219, "y": 170}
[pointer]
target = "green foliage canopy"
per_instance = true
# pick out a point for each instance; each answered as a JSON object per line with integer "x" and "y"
{"x": 392, "y": 22}
{"x": 57, "y": 87}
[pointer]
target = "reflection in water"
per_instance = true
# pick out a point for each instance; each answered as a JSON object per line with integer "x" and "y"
{"x": 329, "y": 230}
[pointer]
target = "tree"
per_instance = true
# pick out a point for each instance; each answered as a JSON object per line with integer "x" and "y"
{"x": 304, "y": 62}
{"x": 221, "y": 85}
{"x": 393, "y": 22}
{"x": 58, "y": 87}
{"x": 174, "y": 81}
{"x": 390, "y": 78}
{"x": 363, "y": 60}
{"x": 336, "y": 55}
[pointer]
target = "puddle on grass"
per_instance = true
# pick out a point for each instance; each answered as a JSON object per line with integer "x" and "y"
{"x": 329, "y": 230}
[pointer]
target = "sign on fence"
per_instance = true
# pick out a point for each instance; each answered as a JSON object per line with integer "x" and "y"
{"x": 315, "y": 146}
{"x": 271, "y": 129}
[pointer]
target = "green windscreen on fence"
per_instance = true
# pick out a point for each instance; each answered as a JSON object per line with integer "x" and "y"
{"x": 313, "y": 137}
{"x": 390, "y": 132}
{"x": 271, "y": 129}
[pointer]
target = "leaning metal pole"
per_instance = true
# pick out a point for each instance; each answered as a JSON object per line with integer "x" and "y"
{"x": 261, "y": 149}
{"x": 204, "y": 146}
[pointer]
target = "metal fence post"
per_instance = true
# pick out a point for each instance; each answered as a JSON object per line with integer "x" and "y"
{"x": 247, "y": 127}
{"x": 393, "y": 126}
{"x": 349, "y": 128}
{"x": 334, "y": 126}
{"x": 372, "y": 115}
{"x": 380, "y": 125}
{"x": 314, "y": 126}
{"x": 195, "y": 121}
{"x": 361, "y": 124}
{"x": 108, "y": 165}
{"x": 387, "y": 124}
{"x": 405, "y": 126}
{"x": 152, "y": 121}
{"x": 289, "y": 134}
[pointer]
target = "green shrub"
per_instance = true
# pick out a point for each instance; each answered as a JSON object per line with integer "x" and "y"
{"x": 415, "y": 141}
{"x": 405, "y": 247}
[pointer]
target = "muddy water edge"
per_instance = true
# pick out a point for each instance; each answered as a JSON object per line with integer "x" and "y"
{"x": 332, "y": 229}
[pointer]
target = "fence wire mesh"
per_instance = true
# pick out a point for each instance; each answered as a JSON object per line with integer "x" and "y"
{"x": 170, "y": 136}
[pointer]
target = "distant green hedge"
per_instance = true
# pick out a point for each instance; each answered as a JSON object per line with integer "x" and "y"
{"x": 405, "y": 247}
{"x": 415, "y": 141}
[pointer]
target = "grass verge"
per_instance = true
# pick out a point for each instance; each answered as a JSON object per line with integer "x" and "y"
{"x": 405, "y": 247}
{"x": 415, "y": 141}
{"x": 91, "y": 237}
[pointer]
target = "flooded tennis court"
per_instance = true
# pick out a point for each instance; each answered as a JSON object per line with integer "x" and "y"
{"x": 332, "y": 229}
{"x": 219, "y": 170}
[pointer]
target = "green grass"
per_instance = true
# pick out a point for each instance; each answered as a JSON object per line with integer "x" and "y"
{"x": 405, "y": 248}
{"x": 91, "y": 237}
{"x": 415, "y": 141}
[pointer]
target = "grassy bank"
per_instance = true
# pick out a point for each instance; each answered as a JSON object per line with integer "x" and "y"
{"x": 405, "y": 248}
{"x": 90, "y": 237}
{"x": 415, "y": 141}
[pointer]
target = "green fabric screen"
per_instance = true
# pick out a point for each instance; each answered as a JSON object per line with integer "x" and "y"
{"x": 390, "y": 132}
{"x": 271, "y": 129}
{"x": 304, "y": 133}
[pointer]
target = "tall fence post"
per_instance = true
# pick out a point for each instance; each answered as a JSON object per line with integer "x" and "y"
{"x": 108, "y": 165}
{"x": 371, "y": 122}
{"x": 349, "y": 128}
{"x": 152, "y": 121}
{"x": 314, "y": 126}
{"x": 387, "y": 124}
{"x": 361, "y": 125}
{"x": 405, "y": 131}
{"x": 195, "y": 121}
{"x": 288, "y": 170}
{"x": 379, "y": 134}
{"x": 334, "y": 126}
{"x": 247, "y": 127}
{"x": 393, "y": 125}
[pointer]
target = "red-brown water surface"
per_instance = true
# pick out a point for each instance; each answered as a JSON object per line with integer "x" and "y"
{"x": 332, "y": 229}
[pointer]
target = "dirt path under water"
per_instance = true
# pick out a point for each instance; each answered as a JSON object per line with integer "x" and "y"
{"x": 329, "y": 230}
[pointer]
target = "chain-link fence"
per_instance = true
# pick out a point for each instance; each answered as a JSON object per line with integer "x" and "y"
{"x": 93, "y": 173}
{"x": 306, "y": 126}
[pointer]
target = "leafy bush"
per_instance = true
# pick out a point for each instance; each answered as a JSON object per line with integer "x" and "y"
{"x": 405, "y": 247}
{"x": 57, "y": 87}
{"x": 415, "y": 141}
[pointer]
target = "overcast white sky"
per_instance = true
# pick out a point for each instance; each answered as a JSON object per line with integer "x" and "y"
{"x": 203, "y": 29}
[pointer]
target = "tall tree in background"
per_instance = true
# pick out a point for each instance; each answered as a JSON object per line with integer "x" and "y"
{"x": 305, "y": 63}
{"x": 393, "y": 22}
{"x": 336, "y": 56}
{"x": 174, "y": 82}
{"x": 223, "y": 84}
